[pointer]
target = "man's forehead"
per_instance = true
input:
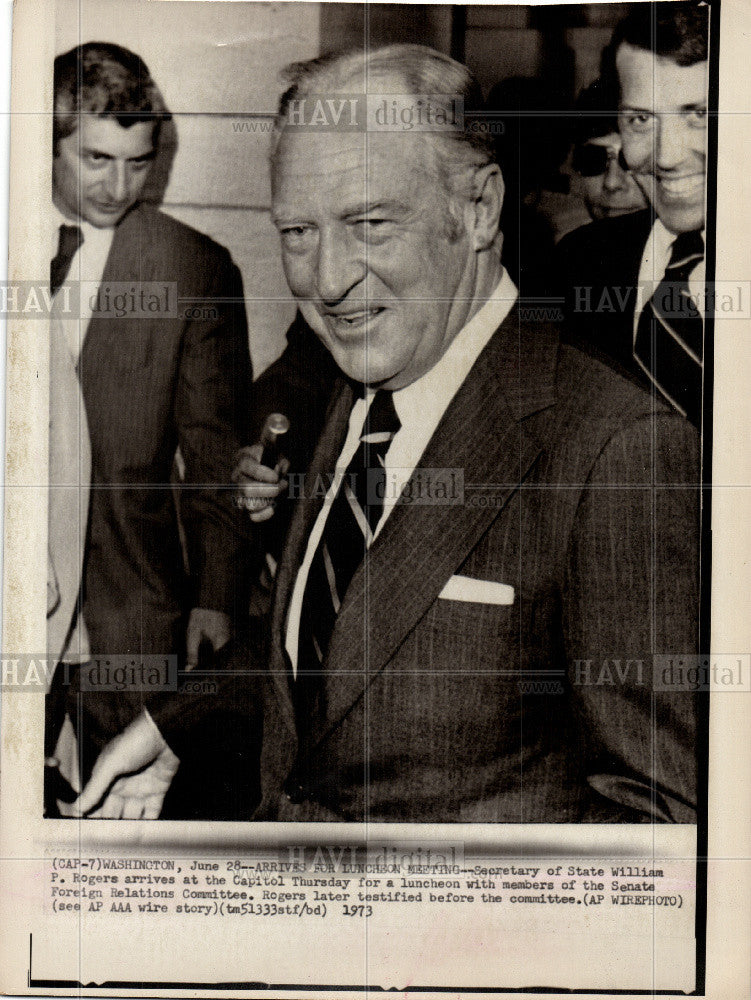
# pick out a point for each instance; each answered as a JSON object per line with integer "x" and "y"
{"x": 320, "y": 159}
{"x": 107, "y": 135}
{"x": 648, "y": 80}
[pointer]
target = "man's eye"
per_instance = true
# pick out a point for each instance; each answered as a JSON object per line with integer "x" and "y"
{"x": 637, "y": 121}
{"x": 96, "y": 158}
{"x": 697, "y": 117}
{"x": 295, "y": 237}
{"x": 372, "y": 228}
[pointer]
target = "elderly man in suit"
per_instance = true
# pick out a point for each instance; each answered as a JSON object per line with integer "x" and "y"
{"x": 634, "y": 286}
{"x": 490, "y": 523}
{"x": 152, "y": 381}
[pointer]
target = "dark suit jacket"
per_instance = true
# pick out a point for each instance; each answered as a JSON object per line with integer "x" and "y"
{"x": 429, "y": 713}
{"x": 298, "y": 384}
{"x": 596, "y": 272}
{"x": 150, "y": 385}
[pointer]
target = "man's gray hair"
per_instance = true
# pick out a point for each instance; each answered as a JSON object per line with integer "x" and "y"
{"x": 461, "y": 147}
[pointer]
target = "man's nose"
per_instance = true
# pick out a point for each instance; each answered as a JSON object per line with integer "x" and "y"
{"x": 117, "y": 181}
{"x": 670, "y": 142}
{"x": 340, "y": 266}
{"x": 614, "y": 178}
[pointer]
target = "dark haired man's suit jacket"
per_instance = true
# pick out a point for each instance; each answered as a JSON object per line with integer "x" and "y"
{"x": 151, "y": 385}
{"x": 596, "y": 272}
{"x": 542, "y": 709}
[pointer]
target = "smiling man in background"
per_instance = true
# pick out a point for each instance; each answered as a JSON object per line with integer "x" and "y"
{"x": 152, "y": 380}
{"x": 634, "y": 286}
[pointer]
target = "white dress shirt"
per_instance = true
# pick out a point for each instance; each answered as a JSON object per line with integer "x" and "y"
{"x": 420, "y": 407}
{"x": 86, "y": 270}
{"x": 654, "y": 261}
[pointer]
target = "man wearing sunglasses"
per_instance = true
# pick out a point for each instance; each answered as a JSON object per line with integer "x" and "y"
{"x": 604, "y": 181}
{"x": 634, "y": 285}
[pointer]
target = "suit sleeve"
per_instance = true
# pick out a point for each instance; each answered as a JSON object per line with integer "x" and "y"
{"x": 211, "y": 403}
{"x": 228, "y": 686}
{"x": 298, "y": 384}
{"x": 631, "y": 602}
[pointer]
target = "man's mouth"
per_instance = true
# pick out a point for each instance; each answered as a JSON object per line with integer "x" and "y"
{"x": 352, "y": 319}
{"x": 110, "y": 207}
{"x": 683, "y": 187}
{"x": 610, "y": 211}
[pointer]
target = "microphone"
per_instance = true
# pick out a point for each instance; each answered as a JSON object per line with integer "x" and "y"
{"x": 272, "y": 437}
{"x": 275, "y": 427}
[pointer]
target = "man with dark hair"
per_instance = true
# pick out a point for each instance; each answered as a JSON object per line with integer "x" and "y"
{"x": 634, "y": 286}
{"x": 607, "y": 187}
{"x": 169, "y": 371}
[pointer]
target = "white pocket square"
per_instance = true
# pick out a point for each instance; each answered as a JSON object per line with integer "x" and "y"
{"x": 466, "y": 588}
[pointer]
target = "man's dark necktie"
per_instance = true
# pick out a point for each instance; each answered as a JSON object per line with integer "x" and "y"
{"x": 669, "y": 341}
{"x": 349, "y": 529}
{"x": 71, "y": 239}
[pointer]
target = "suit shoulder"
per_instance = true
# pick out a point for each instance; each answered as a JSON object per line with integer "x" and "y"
{"x": 598, "y": 411}
{"x": 160, "y": 230}
{"x": 581, "y": 378}
{"x": 592, "y": 395}
{"x": 612, "y": 235}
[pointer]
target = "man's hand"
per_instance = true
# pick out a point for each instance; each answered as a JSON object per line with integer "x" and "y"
{"x": 258, "y": 486}
{"x": 130, "y": 778}
{"x": 214, "y": 626}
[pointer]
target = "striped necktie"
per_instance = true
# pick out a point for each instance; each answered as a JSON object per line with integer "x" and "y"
{"x": 348, "y": 532}
{"x": 70, "y": 240}
{"x": 347, "y": 535}
{"x": 669, "y": 343}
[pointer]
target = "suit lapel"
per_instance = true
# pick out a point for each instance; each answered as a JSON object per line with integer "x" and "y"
{"x": 128, "y": 263}
{"x": 421, "y": 546}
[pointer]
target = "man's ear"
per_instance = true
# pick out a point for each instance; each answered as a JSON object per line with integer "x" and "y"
{"x": 485, "y": 205}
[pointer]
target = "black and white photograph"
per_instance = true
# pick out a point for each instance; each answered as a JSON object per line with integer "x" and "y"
{"x": 383, "y": 424}
{"x": 487, "y": 568}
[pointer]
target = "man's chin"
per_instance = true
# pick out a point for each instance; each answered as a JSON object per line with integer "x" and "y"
{"x": 362, "y": 371}
{"x": 102, "y": 219}
{"x": 679, "y": 219}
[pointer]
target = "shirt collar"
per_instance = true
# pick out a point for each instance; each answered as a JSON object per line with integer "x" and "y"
{"x": 427, "y": 398}
{"x": 661, "y": 241}
{"x": 92, "y": 235}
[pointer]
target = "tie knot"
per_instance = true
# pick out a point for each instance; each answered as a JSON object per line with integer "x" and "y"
{"x": 382, "y": 419}
{"x": 71, "y": 238}
{"x": 687, "y": 250}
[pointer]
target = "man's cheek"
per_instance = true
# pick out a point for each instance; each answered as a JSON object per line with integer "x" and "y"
{"x": 636, "y": 152}
{"x": 298, "y": 277}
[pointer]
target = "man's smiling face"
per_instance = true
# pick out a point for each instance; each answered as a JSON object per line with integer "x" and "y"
{"x": 662, "y": 120}
{"x": 384, "y": 274}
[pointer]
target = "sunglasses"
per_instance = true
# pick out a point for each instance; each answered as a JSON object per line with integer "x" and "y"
{"x": 590, "y": 161}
